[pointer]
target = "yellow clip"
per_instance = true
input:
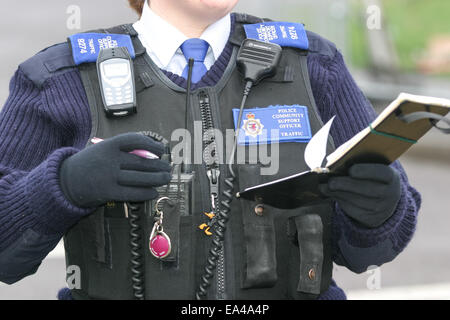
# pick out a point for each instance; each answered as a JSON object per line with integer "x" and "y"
{"x": 205, "y": 228}
{"x": 209, "y": 214}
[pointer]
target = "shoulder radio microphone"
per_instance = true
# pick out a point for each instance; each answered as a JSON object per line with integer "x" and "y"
{"x": 258, "y": 60}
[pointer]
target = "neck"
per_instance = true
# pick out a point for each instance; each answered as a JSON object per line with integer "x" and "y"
{"x": 191, "y": 26}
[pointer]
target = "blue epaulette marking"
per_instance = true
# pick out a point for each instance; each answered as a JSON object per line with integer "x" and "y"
{"x": 87, "y": 46}
{"x": 285, "y": 34}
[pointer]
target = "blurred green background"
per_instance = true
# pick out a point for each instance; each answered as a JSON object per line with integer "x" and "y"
{"x": 412, "y": 24}
{"x": 409, "y": 51}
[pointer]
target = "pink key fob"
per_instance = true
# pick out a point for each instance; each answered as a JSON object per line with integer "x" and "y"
{"x": 159, "y": 242}
{"x": 160, "y": 246}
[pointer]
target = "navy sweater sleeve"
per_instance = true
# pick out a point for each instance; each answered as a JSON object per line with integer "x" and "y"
{"x": 34, "y": 141}
{"x": 357, "y": 247}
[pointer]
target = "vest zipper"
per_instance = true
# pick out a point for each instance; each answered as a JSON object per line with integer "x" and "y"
{"x": 212, "y": 168}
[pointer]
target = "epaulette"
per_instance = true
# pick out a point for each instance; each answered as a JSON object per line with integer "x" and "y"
{"x": 48, "y": 62}
{"x": 317, "y": 44}
{"x": 245, "y": 18}
{"x": 320, "y": 45}
{"x": 59, "y": 58}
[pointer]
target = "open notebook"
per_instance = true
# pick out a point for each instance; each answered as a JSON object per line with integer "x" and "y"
{"x": 393, "y": 132}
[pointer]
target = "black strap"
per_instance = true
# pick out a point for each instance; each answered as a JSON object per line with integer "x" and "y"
{"x": 129, "y": 30}
{"x": 433, "y": 117}
{"x": 310, "y": 240}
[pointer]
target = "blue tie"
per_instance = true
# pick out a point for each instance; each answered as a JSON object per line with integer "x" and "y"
{"x": 195, "y": 49}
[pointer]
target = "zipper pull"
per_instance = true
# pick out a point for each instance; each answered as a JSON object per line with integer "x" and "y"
{"x": 203, "y": 98}
{"x": 213, "y": 176}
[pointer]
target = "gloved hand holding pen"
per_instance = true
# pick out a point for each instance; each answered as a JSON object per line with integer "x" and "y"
{"x": 109, "y": 171}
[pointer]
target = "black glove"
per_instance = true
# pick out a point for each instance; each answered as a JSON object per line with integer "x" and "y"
{"x": 369, "y": 194}
{"x": 107, "y": 172}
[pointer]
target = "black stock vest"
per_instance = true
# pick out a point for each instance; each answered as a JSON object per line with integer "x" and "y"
{"x": 280, "y": 254}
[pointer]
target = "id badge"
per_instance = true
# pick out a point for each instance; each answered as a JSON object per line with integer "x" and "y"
{"x": 273, "y": 124}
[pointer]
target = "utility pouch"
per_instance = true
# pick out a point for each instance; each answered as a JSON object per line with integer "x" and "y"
{"x": 179, "y": 191}
{"x": 108, "y": 254}
{"x": 171, "y": 277}
{"x": 310, "y": 233}
{"x": 259, "y": 260}
{"x": 171, "y": 209}
{"x": 260, "y": 266}
{"x": 310, "y": 230}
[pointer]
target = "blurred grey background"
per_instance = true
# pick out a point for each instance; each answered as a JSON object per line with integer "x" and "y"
{"x": 385, "y": 61}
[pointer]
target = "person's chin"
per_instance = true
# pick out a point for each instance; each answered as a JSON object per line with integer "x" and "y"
{"x": 222, "y": 7}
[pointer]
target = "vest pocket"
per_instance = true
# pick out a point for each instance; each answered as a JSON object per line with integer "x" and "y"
{"x": 310, "y": 265}
{"x": 310, "y": 234}
{"x": 174, "y": 278}
{"x": 259, "y": 269}
{"x": 260, "y": 264}
{"x": 112, "y": 280}
{"x": 100, "y": 246}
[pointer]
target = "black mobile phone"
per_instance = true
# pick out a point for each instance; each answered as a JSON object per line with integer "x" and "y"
{"x": 116, "y": 77}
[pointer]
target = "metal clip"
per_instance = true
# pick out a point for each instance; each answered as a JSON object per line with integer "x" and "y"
{"x": 157, "y": 229}
{"x": 125, "y": 208}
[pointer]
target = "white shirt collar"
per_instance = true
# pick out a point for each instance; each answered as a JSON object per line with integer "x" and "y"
{"x": 162, "y": 40}
{"x": 217, "y": 35}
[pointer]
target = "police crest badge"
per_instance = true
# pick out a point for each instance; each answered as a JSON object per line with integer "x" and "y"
{"x": 252, "y": 127}
{"x": 273, "y": 124}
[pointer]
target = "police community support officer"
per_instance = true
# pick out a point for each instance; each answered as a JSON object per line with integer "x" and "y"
{"x": 52, "y": 185}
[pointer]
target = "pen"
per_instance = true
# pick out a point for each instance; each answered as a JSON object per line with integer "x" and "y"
{"x": 140, "y": 153}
